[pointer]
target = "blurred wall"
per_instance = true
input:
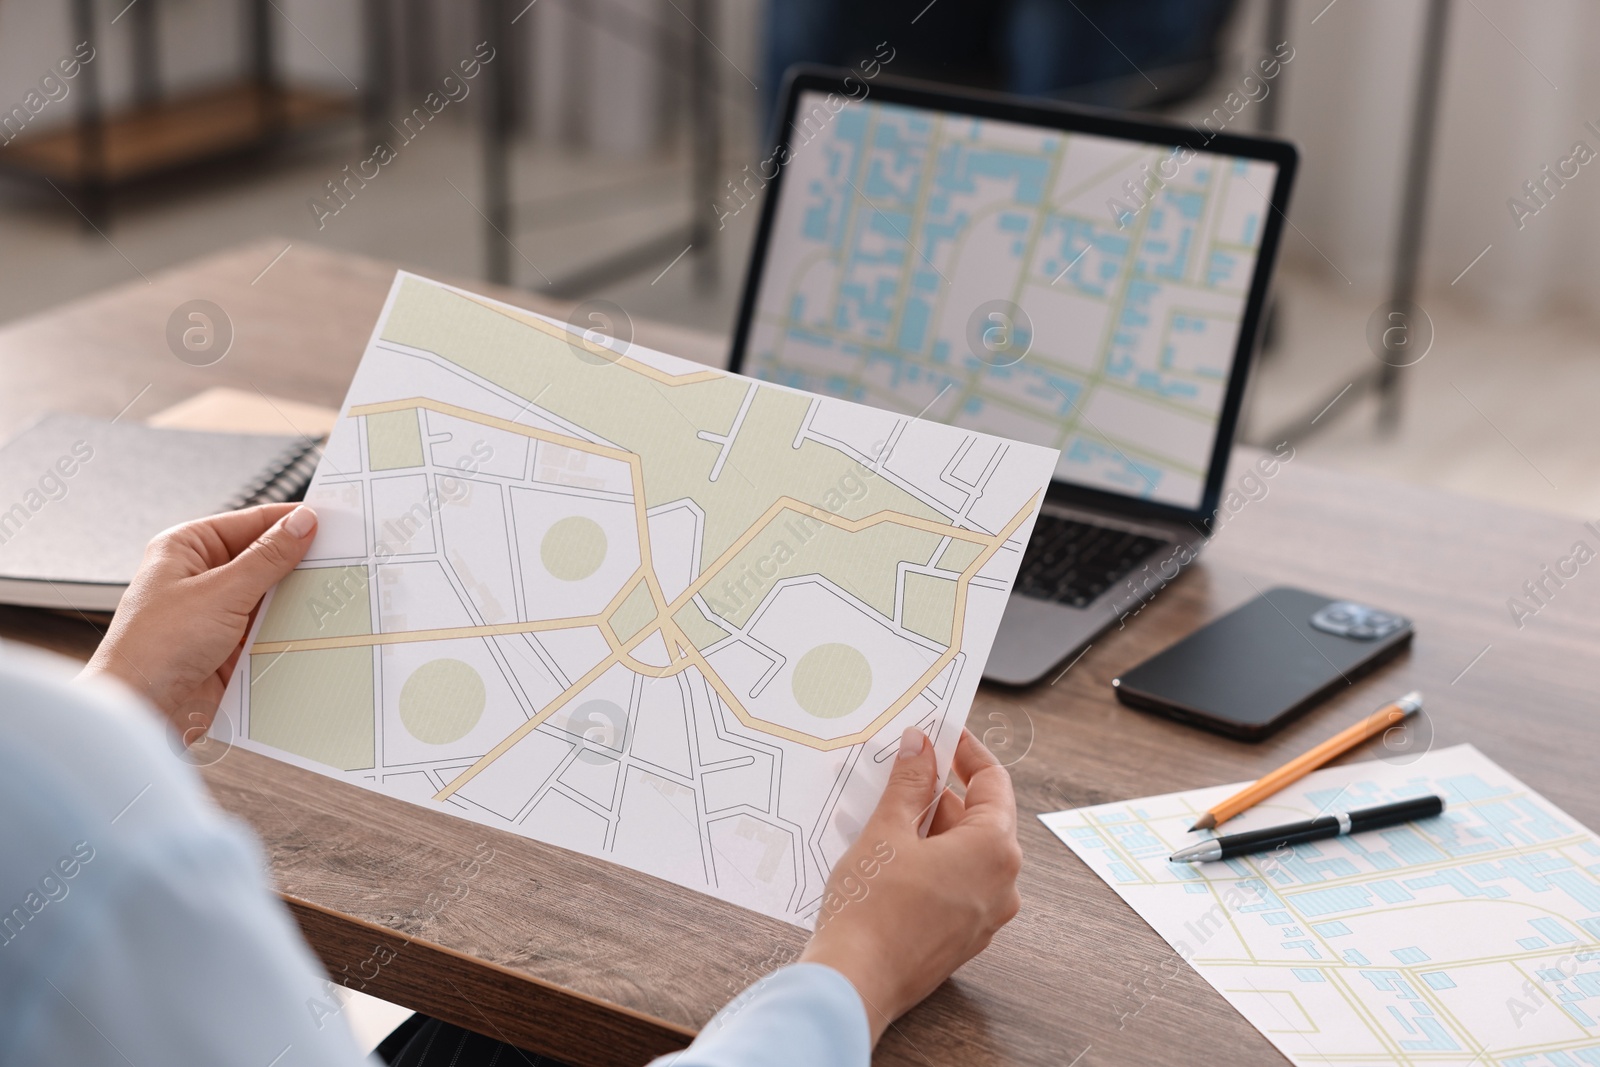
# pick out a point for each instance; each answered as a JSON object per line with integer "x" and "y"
{"x": 1519, "y": 84}
{"x": 611, "y": 75}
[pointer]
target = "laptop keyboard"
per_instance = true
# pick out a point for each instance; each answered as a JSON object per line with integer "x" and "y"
{"x": 1073, "y": 562}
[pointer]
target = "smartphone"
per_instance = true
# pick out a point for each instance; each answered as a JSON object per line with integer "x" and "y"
{"x": 1251, "y": 671}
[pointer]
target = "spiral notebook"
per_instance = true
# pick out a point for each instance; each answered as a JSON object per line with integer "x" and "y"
{"x": 81, "y": 497}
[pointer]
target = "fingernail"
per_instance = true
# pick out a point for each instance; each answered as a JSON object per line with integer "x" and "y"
{"x": 911, "y": 742}
{"x": 301, "y": 521}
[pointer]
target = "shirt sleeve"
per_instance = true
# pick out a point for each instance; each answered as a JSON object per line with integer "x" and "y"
{"x": 190, "y": 961}
{"x": 799, "y": 1016}
{"x": 144, "y": 929}
{"x": 145, "y": 932}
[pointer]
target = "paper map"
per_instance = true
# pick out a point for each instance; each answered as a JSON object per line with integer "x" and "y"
{"x": 615, "y": 601}
{"x": 1472, "y": 938}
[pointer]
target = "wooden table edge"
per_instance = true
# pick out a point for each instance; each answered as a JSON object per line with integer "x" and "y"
{"x": 549, "y": 1018}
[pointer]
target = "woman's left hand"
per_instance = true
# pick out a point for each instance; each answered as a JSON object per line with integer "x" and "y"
{"x": 181, "y": 625}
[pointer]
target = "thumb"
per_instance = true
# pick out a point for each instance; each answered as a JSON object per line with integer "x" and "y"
{"x": 245, "y": 579}
{"x": 910, "y": 790}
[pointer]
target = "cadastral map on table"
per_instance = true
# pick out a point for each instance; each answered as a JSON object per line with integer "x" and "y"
{"x": 1468, "y": 939}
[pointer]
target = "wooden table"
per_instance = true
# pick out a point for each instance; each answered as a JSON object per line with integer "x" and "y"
{"x": 596, "y": 964}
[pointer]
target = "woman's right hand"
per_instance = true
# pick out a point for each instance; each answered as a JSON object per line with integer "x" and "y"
{"x": 901, "y": 912}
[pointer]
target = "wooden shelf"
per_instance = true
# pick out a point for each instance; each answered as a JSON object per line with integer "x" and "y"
{"x": 185, "y": 130}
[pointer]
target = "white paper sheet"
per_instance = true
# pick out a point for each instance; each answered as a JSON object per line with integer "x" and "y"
{"x": 1472, "y": 938}
{"x": 629, "y": 605}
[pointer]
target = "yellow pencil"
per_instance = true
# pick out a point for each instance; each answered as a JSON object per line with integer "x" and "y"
{"x": 1300, "y": 766}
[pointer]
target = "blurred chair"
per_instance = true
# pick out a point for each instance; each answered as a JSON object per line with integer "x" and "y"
{"x": 1127, "y": 54}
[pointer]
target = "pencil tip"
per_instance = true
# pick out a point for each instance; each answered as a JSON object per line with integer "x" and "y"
{"x": 1207, "y": 821}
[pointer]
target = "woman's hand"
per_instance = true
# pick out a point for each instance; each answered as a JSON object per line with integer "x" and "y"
{"x": 902, "y": 912}
{"x": 181, "y": 625}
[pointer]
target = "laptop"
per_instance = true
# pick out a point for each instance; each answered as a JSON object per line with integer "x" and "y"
{"x": 1047, "y": 273}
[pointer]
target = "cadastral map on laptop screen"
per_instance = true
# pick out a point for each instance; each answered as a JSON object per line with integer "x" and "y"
{"x": 905, "y": 242}
{"x": 1468, "y": 939}
{"x": 630, "y": 605}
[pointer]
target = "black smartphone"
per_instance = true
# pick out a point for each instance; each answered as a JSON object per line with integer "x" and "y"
{"x": 1260, "y": 665}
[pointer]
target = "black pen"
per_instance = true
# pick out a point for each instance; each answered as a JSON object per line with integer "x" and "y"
{"x": 1334, "y": 824}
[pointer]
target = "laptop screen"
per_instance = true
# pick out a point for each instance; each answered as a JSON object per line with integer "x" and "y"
{"x": 1064, "y": 288}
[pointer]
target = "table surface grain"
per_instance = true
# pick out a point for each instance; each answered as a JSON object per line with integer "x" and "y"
{"x": 597, "y": 964}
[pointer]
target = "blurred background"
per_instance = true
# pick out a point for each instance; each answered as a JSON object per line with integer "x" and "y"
{"x": 592, "y": 156}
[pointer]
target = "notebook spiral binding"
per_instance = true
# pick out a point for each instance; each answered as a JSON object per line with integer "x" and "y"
{"x": 285, "y": 478}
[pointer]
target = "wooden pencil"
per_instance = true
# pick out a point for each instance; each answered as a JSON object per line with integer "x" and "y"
{"x": 1297, "y": 768}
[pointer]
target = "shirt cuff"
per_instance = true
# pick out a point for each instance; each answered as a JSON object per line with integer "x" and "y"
{"x": 803, "y": 1014}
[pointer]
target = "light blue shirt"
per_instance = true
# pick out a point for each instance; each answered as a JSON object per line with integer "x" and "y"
{"x": 137, "y": 926}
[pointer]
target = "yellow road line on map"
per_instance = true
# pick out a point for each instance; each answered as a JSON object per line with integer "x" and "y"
{"x": 672, "y": 636}
{"x": 576, "y": 339}
{"x": 443, "y": 633}
{"x": 479, "y": 417}
{"x": 698, "y": 660}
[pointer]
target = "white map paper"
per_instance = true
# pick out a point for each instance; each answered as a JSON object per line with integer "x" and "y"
{"x": 1472, "y": 938}
{"x": 615, "y": 601}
